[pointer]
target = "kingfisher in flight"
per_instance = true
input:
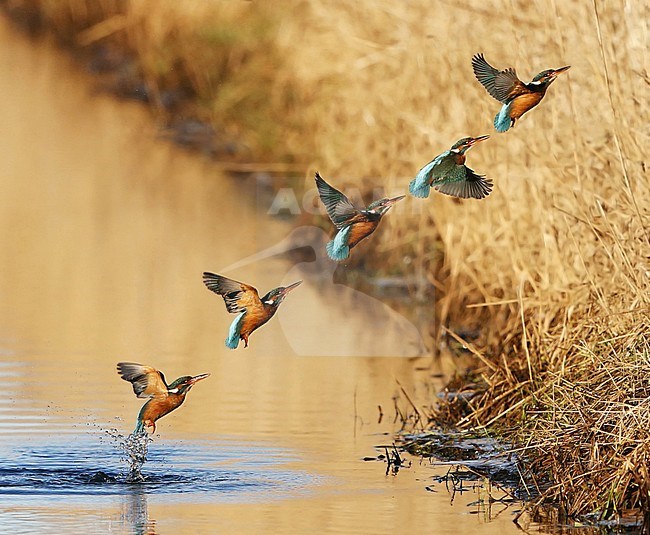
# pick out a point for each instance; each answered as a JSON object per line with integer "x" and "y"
{"x": 517, "y": 97}
{"x": 244, "y": 300}
{"x": 150, "y": 383}
{"x": 448, "y": 174}
{"x": 353, "y": 225}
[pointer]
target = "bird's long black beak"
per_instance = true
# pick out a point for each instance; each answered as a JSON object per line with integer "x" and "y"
{"x": 198, "y": 378}
{"x": 287, "y": 289}
{"x": 393, "y": 200}
{"x": 561, "y": 70}
{"x": 478, "y": 139}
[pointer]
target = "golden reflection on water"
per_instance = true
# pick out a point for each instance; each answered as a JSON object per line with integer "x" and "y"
{"x": 105, "y": 230}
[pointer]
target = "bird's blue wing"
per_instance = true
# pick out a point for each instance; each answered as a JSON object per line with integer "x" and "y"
{"x": 465, "y": 184}
{"x": 443, "y": 165}
{"x": 419, "y": 186}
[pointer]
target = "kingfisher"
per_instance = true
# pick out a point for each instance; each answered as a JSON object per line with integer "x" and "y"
{"x": 448, "y": 174}
{"x": 516, "y": 96}
{"x": 353, "y": 225}
{"x": 150, "y": 383}
{"x": 244, "y": 300}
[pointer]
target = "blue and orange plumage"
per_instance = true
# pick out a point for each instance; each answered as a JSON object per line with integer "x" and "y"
{"x": 163, "y": 398}
{"x": 244, "y": 300}
{"x": 353, "y": 225}
{"x": 517, "y": 97}
{"x": 448, "y": 174}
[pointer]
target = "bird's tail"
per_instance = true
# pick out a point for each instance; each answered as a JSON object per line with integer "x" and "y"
{"x": 235, "y": 331}
{"x": 502, "y": 120}
{"x": 139, "y": 428}
{"x": 419, "y": 186}
{"x": 338, "y": 248}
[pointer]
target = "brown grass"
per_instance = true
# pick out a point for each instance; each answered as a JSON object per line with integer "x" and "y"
{"x": 554, "y": 267}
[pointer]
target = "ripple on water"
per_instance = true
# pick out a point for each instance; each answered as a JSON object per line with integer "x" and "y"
{"x": 230, "y": 470}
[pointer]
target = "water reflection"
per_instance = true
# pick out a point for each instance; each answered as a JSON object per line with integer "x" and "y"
{"x": 135, "y": 513}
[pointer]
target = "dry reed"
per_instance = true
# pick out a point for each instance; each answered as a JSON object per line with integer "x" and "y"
{"x": 553, "y": 268}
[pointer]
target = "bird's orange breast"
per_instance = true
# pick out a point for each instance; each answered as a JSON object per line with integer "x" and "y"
{"x": 523, "y": 103}
{"x": 157, "y": 408}
{"x": 256, "y": 317}
{"x": 361, "y": 230}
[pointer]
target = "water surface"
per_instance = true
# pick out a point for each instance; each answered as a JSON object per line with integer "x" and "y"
{"x": 105, "y": 229}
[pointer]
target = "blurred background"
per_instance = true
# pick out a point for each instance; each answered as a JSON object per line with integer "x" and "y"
{"x": 112, "y": 207}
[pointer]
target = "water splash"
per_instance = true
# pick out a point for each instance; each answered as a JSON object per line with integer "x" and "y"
{"x": 135, "y": 448}
{"x": 80, "y": 465}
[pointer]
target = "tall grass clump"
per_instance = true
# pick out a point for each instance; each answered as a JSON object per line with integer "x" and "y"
{"x": 552, "y": 269}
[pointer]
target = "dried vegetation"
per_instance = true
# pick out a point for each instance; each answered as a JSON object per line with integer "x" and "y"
{"x": 553, "y": 269}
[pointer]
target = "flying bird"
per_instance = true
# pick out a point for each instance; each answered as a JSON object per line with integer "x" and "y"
{"x": 244, "y": 300}
{"x": 150, "y": 383}
{"x": 517, "y": 97}
{"x": 353, "y": 225}
{"x": 448, "y": 174}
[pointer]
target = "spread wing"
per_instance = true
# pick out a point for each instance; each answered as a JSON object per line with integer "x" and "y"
{"x": 147, "y": 381}
{"x": 338, "y": 206}
{"x": 465, "y": 184}
{"x": 238, "y": 296}
{"x": 443, "y": 164}
{"x": 502, "y": 85}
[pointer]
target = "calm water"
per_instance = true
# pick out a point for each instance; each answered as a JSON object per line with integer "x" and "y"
{"x": 105, "y": 230}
